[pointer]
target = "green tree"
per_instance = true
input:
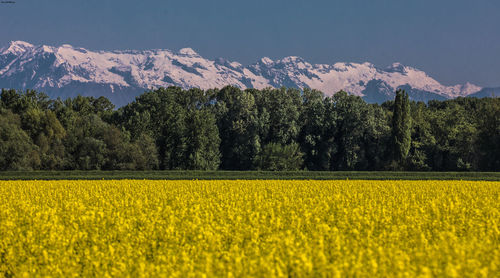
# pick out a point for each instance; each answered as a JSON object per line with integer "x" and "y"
{"x": 48, "y": 134}
{"x": 375, "y": 141}
{"x": 148, "y": 157}
{"x": 17, "y": 152}
{"x": 454, "y": 126}
{"x": 422, "y": 139}
{"x": 277, "y": 157}
{"x": 182, "y": 123}
{"x": 281, "y": 109}
{"x": 348, "y": 131}
{"x": 312, "y": 137}
{"x": 10, "y": 99}
{"x": 489, "y": 134}
{"x": 238, "y": 122}
{"x": 84, "y": 143}
{"x": 401, "y": 128}
{"x": 203, "y": 141}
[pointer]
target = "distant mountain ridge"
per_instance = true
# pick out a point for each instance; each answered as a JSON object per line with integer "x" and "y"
{"x": 67, "y": 71}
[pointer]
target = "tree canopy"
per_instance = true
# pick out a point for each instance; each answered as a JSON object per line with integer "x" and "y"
{"x": 234, "y": 129}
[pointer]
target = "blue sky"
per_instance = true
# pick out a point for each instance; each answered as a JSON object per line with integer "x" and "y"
{"x": 452, "y": 40}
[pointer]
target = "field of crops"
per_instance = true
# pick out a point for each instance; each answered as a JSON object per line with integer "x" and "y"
{"x": 250, "y": 228}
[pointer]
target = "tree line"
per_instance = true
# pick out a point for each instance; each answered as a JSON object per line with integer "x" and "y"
{"x": 234, "y": 129}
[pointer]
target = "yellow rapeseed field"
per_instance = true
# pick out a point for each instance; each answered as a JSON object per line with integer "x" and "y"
{"x": 250, "y": 228}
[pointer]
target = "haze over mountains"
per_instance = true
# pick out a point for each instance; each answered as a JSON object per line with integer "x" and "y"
{"x": 67, "y": 71}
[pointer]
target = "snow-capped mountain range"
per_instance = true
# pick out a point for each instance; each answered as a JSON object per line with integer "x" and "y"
{"x": 67, "y": 71}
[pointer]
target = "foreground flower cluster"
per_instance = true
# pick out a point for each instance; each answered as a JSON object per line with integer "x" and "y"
{"x": 250, "y": 228}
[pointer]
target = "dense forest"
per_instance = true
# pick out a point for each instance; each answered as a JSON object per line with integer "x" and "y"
{"x": 233, "y": 129}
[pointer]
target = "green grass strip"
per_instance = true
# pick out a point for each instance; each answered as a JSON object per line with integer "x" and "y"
{"x": 245, "y": 175}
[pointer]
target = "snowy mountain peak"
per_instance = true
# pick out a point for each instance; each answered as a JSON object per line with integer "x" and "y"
{"x": 66, "y": 46}
{"x": 397, "y": 67}
{"x": 292, "y": 59}
{"x": 266, "y": 61}
{"x": 188, "y": 51}
{"x": 20, "y": 44}
{"x": 16, "y": 47}
{"x": 66, "y": 71}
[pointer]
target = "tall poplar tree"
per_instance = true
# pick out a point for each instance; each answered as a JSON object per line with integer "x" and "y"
{"x": 401, "y": 126}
